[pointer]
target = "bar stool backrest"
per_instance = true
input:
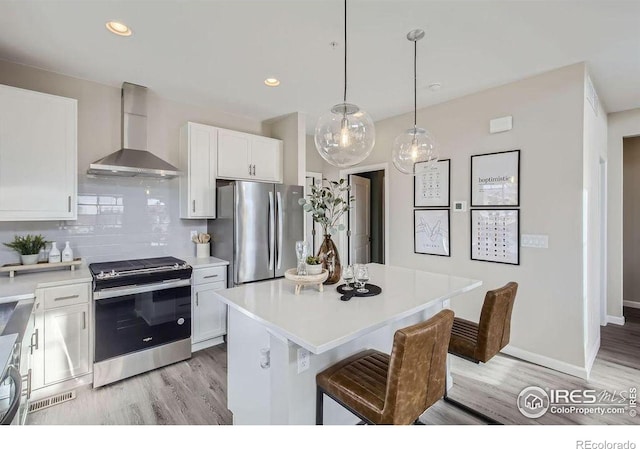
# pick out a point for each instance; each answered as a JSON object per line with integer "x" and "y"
{"x": 417, "y": 369}
{"x": 494, "y": 327}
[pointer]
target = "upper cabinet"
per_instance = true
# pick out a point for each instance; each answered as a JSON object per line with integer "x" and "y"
{"x": 198, "y": 146}
{"x": 38, "y": 156}
{"x": 207, "y": 153}
{"x": 250, "y": 157}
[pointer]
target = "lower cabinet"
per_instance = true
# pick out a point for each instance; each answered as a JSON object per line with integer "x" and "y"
{"x": 61, "y": 341}
{"x": 209, "y": 314}
{"x": 66, "y": 343}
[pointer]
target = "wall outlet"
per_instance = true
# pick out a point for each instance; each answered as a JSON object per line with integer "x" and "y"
{"x": 193, "y": 234}
{"x": 303, "y": 360}
{"x": 534, "y": 241}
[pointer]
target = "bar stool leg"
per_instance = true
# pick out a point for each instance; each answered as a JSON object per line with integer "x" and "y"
{"x": 467, "y": 409}
{"x": 319, "y": 408}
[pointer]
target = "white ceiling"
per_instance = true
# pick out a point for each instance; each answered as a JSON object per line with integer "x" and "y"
{"x": 218, "y": 53}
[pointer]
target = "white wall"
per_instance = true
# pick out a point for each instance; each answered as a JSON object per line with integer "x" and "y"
{"x": 315, "y": 163}
{"x": 145, "y": 223}
{"x": 631, "y": 223}
{"x": 621, "y": 125}
{"x": 595, "y": 152}
{"x": 547, "y": 110}
{"x": 291, "y": 130}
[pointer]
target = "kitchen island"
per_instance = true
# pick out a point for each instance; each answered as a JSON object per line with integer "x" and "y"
{"x": 278, "y": 341}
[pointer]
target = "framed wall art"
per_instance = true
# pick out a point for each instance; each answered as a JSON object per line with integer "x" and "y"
{"x": 431, "y": 184}
{"x": 495, "y": 235}
{"x": 431, "y": 232}
{"x": 495, "y": 179}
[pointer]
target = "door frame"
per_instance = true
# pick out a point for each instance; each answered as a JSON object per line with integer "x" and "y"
{"x": 604, "y": 182}
{"x": 343, "y": 245}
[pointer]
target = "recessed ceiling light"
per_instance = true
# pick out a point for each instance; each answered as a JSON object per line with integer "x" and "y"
{"x": 118, "y": 28}
{"x": 272, "y": 82}
{"x": 434, "y": 86}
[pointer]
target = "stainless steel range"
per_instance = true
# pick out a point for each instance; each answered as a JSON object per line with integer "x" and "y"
{"x": 142, "y": 316}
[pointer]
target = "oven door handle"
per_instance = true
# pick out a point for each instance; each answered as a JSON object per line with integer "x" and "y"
{"x": 126, "y": 291}
{"x": 14, "y": 374}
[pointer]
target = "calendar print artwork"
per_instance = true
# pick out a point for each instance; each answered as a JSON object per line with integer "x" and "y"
{"x": 495, "y": 235}
{"x": 495, "y": 179}
{"x": 431, "y": 184}
{"x": 431, "y": 232}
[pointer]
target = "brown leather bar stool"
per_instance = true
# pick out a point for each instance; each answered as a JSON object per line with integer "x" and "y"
{"x": 480, "y": 342}
{"x": 396, "y": 389}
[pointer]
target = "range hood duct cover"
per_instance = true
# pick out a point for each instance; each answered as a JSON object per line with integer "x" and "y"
{"x": 133, "y": 159}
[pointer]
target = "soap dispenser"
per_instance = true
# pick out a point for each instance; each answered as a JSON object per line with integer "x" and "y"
{"x": 54, "y": 254}
{"x": 67, "y": 253}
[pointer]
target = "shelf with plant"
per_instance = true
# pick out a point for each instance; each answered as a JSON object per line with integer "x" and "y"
{"x": 28, "y": 247}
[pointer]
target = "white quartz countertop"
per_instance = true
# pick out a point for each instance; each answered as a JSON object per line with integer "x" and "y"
{"x": 320, "y": 322}
{"x": 204, "y": 262}
{"x": 24, "y": 284}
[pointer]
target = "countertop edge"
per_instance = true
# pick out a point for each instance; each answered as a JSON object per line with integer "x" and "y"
{"x": 359, "y": 333}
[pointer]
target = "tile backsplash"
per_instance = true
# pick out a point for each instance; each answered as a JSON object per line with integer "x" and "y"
{"x": 118, "y": 218}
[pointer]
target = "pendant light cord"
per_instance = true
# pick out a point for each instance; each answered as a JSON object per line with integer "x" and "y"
{"x": 415, "y": 84}
{"x": 345, "y": 51}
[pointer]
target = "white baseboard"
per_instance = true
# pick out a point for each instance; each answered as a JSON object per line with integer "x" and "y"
{"x": 206, "y": 344}
{"x": 592, "y": 354}
{"x": 548, "y": 362}
{"x": 632, "y": 304}
{"x": 619, "y": 320}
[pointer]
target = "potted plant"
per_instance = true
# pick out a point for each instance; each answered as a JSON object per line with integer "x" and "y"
{"x": 328, "y": 202}
{"x": 314, "y": 265}
{"x": 28, "y": 247}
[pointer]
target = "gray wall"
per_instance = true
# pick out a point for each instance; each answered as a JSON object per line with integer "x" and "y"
{"x": 144, "y": 221}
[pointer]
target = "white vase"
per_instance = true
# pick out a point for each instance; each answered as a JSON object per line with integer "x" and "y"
{"x": 54, "y": 254}
{"x": 314, "y": 269}
{"x": 29, "y": 259}
{"x": 67, "y": 253}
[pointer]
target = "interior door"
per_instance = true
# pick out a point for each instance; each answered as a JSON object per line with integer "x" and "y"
{"x": 254, "y": 231}
{"x": 360, "y": 220}
{"x": 290, "y": 226}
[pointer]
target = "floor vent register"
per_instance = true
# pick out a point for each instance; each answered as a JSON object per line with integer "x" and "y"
{"x": 51, "y": 401}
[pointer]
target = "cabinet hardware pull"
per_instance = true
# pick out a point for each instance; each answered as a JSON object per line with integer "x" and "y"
{"x": 37, "y": 339}
{"x": 69, "y": 202}
{"x": 194, "y": 206}
{"x": 197, "y": 302}
{"x": 62, "y": 298}
{"x": 32, "y": 345}
{"x": 84, "y": 320}
{"x": 249, "y": 169}
{"x": 254, "y": 169}
{"x": 29, "y": 384}
{"x": 210, "y": 276}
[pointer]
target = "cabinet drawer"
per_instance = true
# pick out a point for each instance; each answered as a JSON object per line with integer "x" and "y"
{"x": 212, "y": 274}
{"x": 67, "y": 295}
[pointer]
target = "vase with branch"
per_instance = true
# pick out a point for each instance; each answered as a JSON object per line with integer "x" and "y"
{"x": 328, "y": 202}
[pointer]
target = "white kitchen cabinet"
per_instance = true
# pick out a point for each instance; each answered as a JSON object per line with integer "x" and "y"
{"x": 209, "y": 315}
{"x": 61, "y": 342}
{"x": 66, "y": 343}
{"x": 198, "y": 147}
{"x": 38, "y": 156}
{"x": 247, "y": 156}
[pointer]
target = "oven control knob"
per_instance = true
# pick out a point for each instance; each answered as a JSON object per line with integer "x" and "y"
{"x": 180, "y": 321}
{"x": 176, "y": 266}
{"x": 113, "y": 273}
{"x": 101, "y": 275}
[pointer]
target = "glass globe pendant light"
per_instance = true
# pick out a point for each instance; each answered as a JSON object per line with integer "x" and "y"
{"x": 415, "y": 145}
{"x": 345, "y": 135}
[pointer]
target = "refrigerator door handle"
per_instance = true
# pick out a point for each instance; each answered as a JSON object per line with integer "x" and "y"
{"x": 280, "y": 229}
{"x": 272, "y": 230}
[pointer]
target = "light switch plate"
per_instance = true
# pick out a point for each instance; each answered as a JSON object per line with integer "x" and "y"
{"x": 534, "y": 241}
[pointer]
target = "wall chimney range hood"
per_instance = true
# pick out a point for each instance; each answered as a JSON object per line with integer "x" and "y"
{"x": 133, "y": 159}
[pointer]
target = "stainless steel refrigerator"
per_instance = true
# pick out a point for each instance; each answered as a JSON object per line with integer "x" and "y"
{"x": 256, "y": 229}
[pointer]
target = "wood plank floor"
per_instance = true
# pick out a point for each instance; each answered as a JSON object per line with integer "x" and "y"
{"x": 194, "y": 391}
